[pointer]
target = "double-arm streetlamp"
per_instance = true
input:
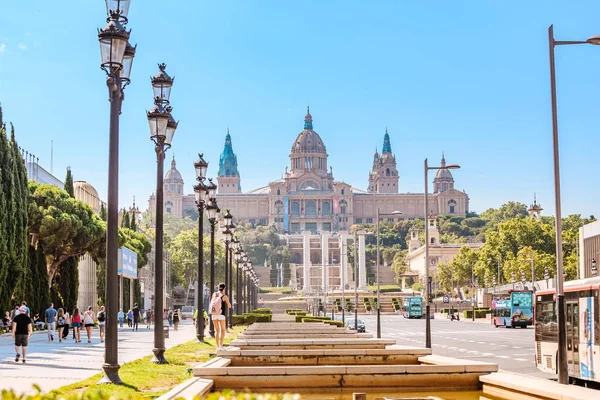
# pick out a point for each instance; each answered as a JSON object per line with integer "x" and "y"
{"x": 117, "y": 59}
{"x": 379, "y": 215}
{"x": 212, "y": 210}
{"x": 162, "y": 129}
{"x": 426, "y": 213}
{"x": 228, "y": 231}
{"x": 201, "y": 193}
{"x": 563, "y": 373}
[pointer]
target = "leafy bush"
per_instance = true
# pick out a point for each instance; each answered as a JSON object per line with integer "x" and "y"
{"x": 385, "y": 288}
{"x": 262, "y": 317}
{"x": 249, "y": 319}
{"x": 445, "y": 310}
{"x": 478, "y": 313}
{"x": 339, "y": 324}
{"x": 263, "y": 311}
{"x": 238, "y": 320}
{"x": 311, "y": 320}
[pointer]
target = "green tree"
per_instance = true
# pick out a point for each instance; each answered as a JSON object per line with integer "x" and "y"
{"x": 103, "y": 212}
{"x": 286, "y": 272}
{"x": 125, "y": 220}
{"x": 399, "y": 265}
{"x": 133, "y": 222}
{"x": 66, "y": 227}
{"x": 507, "y": 211}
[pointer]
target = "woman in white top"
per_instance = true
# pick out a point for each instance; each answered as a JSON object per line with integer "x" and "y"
{"x": 88, "y": 322}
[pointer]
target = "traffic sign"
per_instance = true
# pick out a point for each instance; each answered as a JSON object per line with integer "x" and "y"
{"x": 446, "y": 299}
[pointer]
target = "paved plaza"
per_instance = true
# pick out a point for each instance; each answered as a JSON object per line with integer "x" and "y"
{"x": 52, "y": 364}
{"x": 512, "y": 349}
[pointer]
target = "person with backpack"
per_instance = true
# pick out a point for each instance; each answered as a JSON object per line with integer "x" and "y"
{"x": 101, "y": 317}
{"x": 217, "y": 307}
{"x": 61, "y": 321}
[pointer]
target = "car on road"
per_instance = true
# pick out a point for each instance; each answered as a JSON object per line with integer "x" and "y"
{"x": 187, "y": 312}
{"x": 350, "y": 325}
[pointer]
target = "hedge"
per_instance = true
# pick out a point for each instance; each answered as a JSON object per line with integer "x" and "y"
{"x": 445, "y": 310}
{"x": 262, "y": 311}
{"x": 311, "y": 320}
{"x": 282, "y": 290}
{"x": 339, "y": 324}
{"x": 478, "y": 313}
{"x": 299, "y": 318}
{"x": 292, "y": 310}
{"x": 262, "y": 317}
{"x": 238, "y": 320}
{"x": 385, "y": 288}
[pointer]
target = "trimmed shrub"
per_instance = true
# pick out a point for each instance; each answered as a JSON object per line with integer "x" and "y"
{"x": 445, "y": 310}
{"x": 292, "y": 310}
{"x": 262, "y": 317}
{"x": 339, "y": 324}
{"x": 282, "y": 290}
{"x": 311, "y": 320}
{"x": 249, "y": 319}
{"x": 238, "y": 320}
{"x": 478, "y": 313}
{"x": 262, "y": 311}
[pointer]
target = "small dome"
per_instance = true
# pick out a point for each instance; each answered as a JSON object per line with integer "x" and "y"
{"x": 83, "y": 185}
{"x": 444, "y": 174}
{"x": 308, "y": 141}
{"x": 172, "y": 175}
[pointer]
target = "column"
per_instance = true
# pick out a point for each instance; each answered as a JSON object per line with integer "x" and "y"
{"x": 306, "y": 260}
{"x": 131, "y": 290}
{"x": 325, "y": 260}
{"x": 362, "y": 266}
{"x": 344, "y": 258}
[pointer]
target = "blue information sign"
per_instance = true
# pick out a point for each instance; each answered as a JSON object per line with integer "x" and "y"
{"x": 127, "y": 263}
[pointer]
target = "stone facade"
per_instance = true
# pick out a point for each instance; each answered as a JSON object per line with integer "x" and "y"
{"x": 308, "y": 198}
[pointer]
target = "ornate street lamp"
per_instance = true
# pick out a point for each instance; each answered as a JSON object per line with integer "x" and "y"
{"x": 213, "y": 210}
{"x": 162, "y": 130}
{"x": 117, "y": 59}
{"x": 228, "y": 235}
{"x": 200, "y": 190}
{"x": 594, "y": 268}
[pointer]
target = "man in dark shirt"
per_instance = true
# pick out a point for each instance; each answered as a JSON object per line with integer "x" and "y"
{"x": 21, "y": 332}
{"x": 136, "y": 316}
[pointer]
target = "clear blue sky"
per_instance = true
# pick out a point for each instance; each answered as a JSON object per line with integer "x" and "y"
{"x": 466, "y": 77}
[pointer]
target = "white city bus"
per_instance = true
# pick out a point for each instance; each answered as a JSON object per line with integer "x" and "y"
{"x": 582, "y": 308}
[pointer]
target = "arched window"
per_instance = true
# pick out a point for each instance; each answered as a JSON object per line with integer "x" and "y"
{"x": 387, "y": 172}
{"x": 309, "y": 185}
{"x": 295, "y": 209}
{"x": 433, "y": 241}
{"x": 451, "y": 204}
{"x": 311, "y": 209}
{"x": 326, "y": 209}
{"x": 278, "y": 192}
{"x": 343, "y": 206}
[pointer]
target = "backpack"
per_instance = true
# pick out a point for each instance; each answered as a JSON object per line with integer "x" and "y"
{"x": 101, "y": 316}
{"x": 61, "y": 321}
{"x": 215, "y": 305}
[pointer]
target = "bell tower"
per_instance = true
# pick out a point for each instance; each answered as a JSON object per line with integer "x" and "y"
{"x": 384, "y": 176}
{"x": 228, "y": 178}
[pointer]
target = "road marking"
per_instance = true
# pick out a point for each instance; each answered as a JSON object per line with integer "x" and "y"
{"x": 502, "y": 356}
{"x": 473, "y": 351}
{"x": 520, "y": 359}
{"x": 517, "y": 347}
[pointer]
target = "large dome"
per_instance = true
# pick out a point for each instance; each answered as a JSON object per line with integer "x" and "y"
{"x": 443, "y": 174}
{"x": 173, "y": 176}
{"x": 308, "y": 141}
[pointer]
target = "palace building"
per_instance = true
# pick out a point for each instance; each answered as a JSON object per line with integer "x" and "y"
{"x": 309, "y": 198}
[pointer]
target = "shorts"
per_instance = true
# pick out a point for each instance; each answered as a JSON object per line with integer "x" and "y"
{"x": 21, "y": 340}
{"x": 101, "y": 327}
{"x": 76, "y": 324}
{"x": 60, "y": 326}
{"x": 219, "y": 317}
{"x": 89, "y": 325}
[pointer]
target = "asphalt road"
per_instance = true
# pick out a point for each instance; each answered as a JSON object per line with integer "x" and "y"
{"x": 512, "y": 349}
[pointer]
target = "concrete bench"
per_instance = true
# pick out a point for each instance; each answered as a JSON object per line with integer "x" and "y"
{"x": 350, "y": 343}
{"x": 513, "y": 386}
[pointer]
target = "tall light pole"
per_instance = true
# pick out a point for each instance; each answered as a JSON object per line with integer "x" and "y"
{"x": 213, "y": 210}
{"x": 377, "y": 273}
{"x": 117, "y": 59}
{"x": 162, "y": 129}
{"x": 563, "y": 373}
{"x": 427, "y": 168}
{"x": 201, "y": 194}
{"x": 355, "y": 285}
{"x": 229, "y": 230}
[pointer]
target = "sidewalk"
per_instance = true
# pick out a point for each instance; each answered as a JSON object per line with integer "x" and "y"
{"x": 51, "y": 365}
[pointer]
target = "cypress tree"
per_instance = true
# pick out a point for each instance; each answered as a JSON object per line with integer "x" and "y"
{"x": 125, "y": 219}
{"x": 103, "y": 213}
{"x": 133, "y": 223}
{"x": 5, "y": 289}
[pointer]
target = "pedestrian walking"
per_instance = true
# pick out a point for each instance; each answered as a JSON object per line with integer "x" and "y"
{"x": 170, "y": 316}
{"x": 176, "y": 319}
{"x": 130, "y": 318}
{"x": 101, "y": 322}
{"x": 68, "y": 323}
{"x": 148, "y": 317}
{"x": 28, "y": 311}
{"x": 218, "y": 305}
{"x": 121, "y": 317}
{"x": 76, "y": 317}
{"x": 61, "y": 322}
{"x": 22, "y": 330}
{"x": 50, "y": 317}
{"x": 136, "y": 316}
{"x": 88, "y": 322}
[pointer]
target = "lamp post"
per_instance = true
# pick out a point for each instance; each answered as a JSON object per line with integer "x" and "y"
{"x": 201, "y": 193}
{"x": 563, "y": 374}
{"x": 162, "y": 129}
{"x": 426, "y": 169}
{"x": 377, "y": 273}
{"x": 228, "y": 232}
{"x": 355, "y": 285}
{"x": 117, "y": 59}
{"x": 213, "y": 210}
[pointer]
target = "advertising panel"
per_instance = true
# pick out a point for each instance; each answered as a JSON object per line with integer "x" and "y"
{"x": 127, "y": 263}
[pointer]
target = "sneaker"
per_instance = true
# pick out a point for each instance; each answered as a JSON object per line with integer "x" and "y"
{"x": 23, "y": 360}
{"x": 52, "y": 337}
{"x": 17, "y": 357}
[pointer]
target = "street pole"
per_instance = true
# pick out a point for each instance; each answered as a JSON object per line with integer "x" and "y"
{"x": 355, "y": 285}
{"x": 563, "y": 374}
{"x": 213, "y": 223}
{"x": 532, "y": 272}
{"x": 230, "y": 286}
{"x": 342, "y": 270}
{"x": 427, "y": 283}
{"x": 473, "y": 286}
{"x": 377, "y": 275}
{"x": 200, "y": 292}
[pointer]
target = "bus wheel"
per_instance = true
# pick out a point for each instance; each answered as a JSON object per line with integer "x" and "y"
{"x": 495, "y": 324}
